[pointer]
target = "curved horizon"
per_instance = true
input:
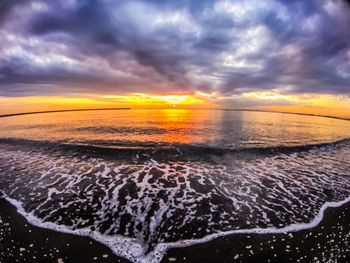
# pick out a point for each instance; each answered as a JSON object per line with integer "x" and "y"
{"x": 130, "y": 108}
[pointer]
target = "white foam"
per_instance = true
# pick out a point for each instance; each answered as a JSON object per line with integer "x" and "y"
{"x": 120, "y": 245}
{"x": 130, "y": 249}
{"x": 264, "y": 187}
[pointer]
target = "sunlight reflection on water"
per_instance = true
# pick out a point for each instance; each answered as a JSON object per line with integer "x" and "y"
{"x": 227, "y": 129}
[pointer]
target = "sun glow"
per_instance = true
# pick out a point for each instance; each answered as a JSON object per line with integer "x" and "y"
{"x": 135, "y": 100}
{"x": 267, "y": 100}
{"x": 163, "y": 101}
{"x": 173, "y": 99}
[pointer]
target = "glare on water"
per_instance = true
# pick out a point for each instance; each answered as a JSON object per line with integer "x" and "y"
{"x": 227, "y": 129}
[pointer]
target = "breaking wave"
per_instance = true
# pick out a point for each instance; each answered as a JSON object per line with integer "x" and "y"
{"x": 142, "y": 200}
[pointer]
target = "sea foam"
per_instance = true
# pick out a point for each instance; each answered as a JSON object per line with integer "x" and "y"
{"x": 141, "y": 207}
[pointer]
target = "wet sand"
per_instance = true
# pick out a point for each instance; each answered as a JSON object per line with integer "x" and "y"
{"x": 328, "y": 242}
{"x": 22, "y": 242}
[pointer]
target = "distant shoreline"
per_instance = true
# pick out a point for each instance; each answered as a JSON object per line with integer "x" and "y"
{"x": 294, "y": 113}
{"x": 126, "y": 108}
{"x": 57, "y": 111}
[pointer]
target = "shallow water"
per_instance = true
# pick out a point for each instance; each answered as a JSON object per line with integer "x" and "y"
{"x": 143, "y": 181}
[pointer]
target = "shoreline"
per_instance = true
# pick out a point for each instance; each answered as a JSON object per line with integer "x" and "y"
{"x": 328, "y": 240}
{"x": 21, "y": 241}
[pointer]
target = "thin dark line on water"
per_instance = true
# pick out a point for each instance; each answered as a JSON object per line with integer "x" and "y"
{"x": 56, "y": 111}
{"x": 128, "y": 108}
{"x": 292, "y": 113}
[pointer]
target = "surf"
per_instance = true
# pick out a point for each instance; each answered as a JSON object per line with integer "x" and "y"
{"x": 141, "y": 207}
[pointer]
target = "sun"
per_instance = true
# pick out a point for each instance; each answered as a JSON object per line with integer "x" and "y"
{"x": 173, "y": 99}
{"x": 162, "y": 100}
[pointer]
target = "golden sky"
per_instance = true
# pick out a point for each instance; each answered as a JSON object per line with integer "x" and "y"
{"x": 310, "y": 104}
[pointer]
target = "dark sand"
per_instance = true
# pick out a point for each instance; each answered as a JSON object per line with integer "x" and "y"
{"x": 328, "y": 242}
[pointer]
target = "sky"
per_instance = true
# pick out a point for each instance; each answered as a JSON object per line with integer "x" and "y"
{"x": 258, "y": 54}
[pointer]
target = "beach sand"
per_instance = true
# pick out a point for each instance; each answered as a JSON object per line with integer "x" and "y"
{"x": 328, "y": 242}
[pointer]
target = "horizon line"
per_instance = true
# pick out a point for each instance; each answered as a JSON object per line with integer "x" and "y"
{"x": 57, "y": 111}
{"x": 130, "y": 108}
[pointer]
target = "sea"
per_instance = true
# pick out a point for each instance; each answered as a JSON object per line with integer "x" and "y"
{"x": 143, "y": 181}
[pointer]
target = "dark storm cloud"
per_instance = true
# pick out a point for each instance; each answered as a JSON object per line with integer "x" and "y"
{"x": 5, "y": 7}
{"x": 226, "y": 47}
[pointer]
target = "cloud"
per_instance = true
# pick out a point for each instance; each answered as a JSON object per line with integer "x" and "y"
{"x": 222, "y": 47}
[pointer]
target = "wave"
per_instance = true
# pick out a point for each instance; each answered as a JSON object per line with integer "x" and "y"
{"x": 140, "y": 201}
{"x": 129, "y": 149}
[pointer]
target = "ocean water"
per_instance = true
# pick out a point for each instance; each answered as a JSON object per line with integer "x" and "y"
{"x": 143, "y": 181}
